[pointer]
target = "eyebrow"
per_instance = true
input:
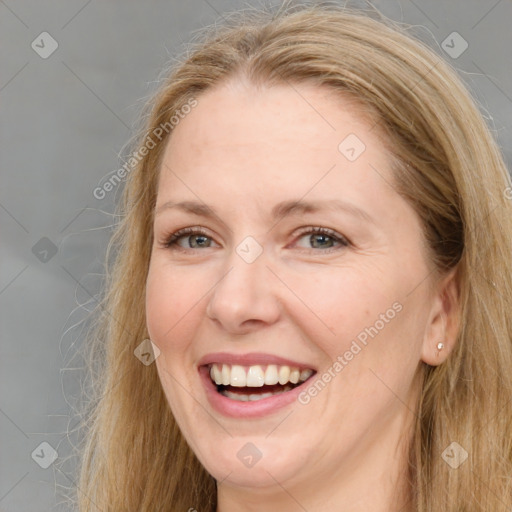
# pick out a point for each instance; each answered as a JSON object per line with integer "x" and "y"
{"x": 280, "y": 210}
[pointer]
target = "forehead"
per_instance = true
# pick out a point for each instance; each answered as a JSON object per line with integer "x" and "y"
{"x": 284, "y": 135}
{"x": 241, "y": 115}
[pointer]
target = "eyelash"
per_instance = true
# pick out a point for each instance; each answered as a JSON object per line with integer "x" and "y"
{"x": 171, "y": 240}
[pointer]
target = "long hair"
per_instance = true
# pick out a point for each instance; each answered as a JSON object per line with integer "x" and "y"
{"x": 446, "y": 164}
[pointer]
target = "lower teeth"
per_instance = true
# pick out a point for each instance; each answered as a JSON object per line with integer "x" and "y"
{"x": 241, "y": 397}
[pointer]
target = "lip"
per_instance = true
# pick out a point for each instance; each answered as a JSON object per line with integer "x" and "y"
{"x": 251, "y": 359}
{"x": 249, "y": 409}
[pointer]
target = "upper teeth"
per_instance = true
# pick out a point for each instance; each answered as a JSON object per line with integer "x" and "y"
{"x": 256, "y": 376}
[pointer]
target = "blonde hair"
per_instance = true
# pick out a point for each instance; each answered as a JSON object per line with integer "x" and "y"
{"x": 446, "y": 164}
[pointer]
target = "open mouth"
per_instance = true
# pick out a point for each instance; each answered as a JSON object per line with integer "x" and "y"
{"x": 251, "y": 383}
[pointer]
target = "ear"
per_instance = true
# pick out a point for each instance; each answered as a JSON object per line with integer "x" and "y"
{"x": 443, "y": 322}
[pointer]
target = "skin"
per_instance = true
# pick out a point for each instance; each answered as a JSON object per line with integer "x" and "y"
{"x": 241, "y": 151}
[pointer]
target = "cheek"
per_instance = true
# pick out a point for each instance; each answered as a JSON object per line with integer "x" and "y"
{"x": 337, "y": 305}
{"x": 366, "y": 325}
{"x": 169, "y": 311}
{"x": 170, "y": 300}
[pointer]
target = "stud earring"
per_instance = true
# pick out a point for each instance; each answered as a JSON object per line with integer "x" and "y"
{"x": 440, "y": 346}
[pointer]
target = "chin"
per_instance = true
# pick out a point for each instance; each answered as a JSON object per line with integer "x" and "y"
{"x": 252, "y": 461}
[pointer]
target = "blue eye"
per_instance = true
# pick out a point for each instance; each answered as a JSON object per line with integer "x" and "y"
{"x": 323, "y": 238}
{"x": 196, "y": 238}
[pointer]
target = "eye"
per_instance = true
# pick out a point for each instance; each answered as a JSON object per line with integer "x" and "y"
{"x": 193, "y": 238}
{"x": 197, "y": 238}
{"x": 323, "y": 238}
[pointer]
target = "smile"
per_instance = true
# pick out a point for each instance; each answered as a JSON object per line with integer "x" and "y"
{"x": 251, "y": 383}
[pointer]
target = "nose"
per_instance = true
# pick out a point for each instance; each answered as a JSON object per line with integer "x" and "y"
{"x": 246, "y": 296}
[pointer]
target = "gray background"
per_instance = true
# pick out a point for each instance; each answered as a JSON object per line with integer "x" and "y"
{"x": 63, "y": 124}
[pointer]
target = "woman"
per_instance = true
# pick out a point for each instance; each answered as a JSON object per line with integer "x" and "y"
{"x": 317, "y": 244}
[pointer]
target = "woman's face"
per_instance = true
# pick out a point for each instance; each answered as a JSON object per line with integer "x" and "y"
{"x": 270, "y": 291}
